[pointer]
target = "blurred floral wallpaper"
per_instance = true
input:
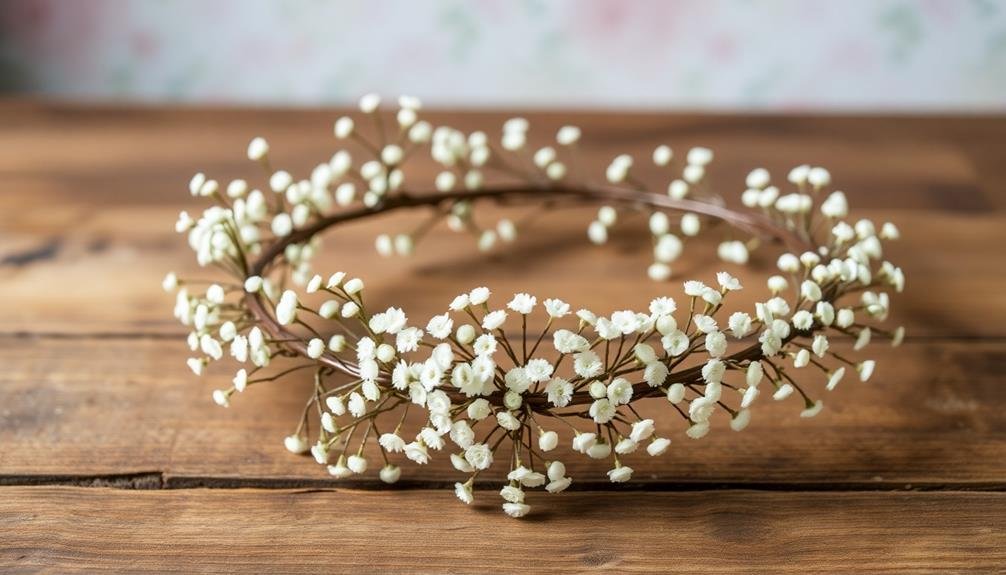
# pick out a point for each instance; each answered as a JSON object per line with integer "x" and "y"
{"x": 691, "y": 54}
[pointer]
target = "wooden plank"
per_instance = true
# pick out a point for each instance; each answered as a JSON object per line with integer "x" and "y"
{"x": 91, "y": 194}
{"x": 192, "y": 531}
{"x": 100, "y": 271}
{"x": 73, "y": 409}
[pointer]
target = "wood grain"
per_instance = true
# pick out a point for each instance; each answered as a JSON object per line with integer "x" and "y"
{"x": 102, "y": 202}
{"x": 903, "y": 475}
{"x": 77, "y": 408}
{"x": 193, "y": 531}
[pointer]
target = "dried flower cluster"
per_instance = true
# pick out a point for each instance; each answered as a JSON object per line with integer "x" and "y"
{"x": 487, "y": 396}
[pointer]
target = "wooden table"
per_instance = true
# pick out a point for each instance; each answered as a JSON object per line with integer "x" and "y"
{"x": 113, "y": 457}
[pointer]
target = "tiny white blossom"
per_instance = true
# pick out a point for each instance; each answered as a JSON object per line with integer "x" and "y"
{"x": 620, "y": 474}
{"x": 522, "y": 303}
{"x": 493, "y": 320}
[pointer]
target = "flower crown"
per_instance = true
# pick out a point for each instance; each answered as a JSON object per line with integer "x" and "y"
{"x": 489, "y": 394}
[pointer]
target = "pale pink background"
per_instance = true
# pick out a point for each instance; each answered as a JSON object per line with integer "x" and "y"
{"x": 758, "y": 54}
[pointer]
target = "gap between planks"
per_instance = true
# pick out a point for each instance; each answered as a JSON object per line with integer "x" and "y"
{"x": 146, "y": 480}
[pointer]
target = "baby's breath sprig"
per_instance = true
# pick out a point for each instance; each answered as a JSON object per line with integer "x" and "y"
{"x": 489, "y": 396}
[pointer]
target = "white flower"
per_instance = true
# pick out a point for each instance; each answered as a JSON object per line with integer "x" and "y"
{"x": 196, "y": 365}
{"x": 538, "y": 370}
{"x": 586, "y": 316}
{"x": 626, "y": 446}
{"x": 336, "y": 405}
{"x": 431, "y": 438}
{"x": 286, "y": 310}
{"x": 339, "y": 470}
{"x": 559, "y": 392}
{"x": 507, "y": 420}
{"x": 770, "y": 343}
{"x": 558, "y": 485}
{"x": 803, "y": 320}
{"x": 417, "y": 452}
{"x": 810, "y": 291}
{"x": 619, "y": 391}
{"x": 221, "y": 397}
{"x": 522, "y": 303}
{"x": 461, "y": 434}
{"x": 741, "y": 420}
{"x": 556, "y": 308}
{"x": 675, "y": 393}
{"x": 296, "y": 444}
{"x": 463, "y": 378}
{"x": 835, "y": 377}
{"x": 365, "y": 349}
{"x": 320, "y": 452}
{"x": 667, "y": 249}
{"x": 493, "y": 320}
{"x": 642, "y": 430}
{"x": 898, "y": 337}
{"x": 438, "y": 402}
{"x": 464, "y": 492}
{"x": 258, "y": 148}
{"x": 584, "y": 441}
{"x": 845, "y": 318}
{"x": 675, "y": 343}
{"x": 485, "y": 345}
{"x": 600, "y": 450}
{"x": 825, "y": 312}
{"x": 784, "y": 391}
{"x": 440, "y": 326}
{"x": 357, "y": 405}
{"x": 479, "y": 456}
{"x": 390, "y": 473}
{"x": 740, "y": 324}
{"x": 478, "y": 296}
{"x": 315, "y": 348}
{"x": 865, "y": 369}
{"x": 625, "y": 321}
{"x": 479, "y": 409}
{"x": 516, "y": 379}
{"x": 526, "y": 477}
{"x": 701, "y": 409}
{"x": 602, "y": 410}
{"x": 713, "y": 370}
{"x": 694, "y": 288}
{"x": 862, "y": 339}
{"x": 516, "y": 510}
{"x": 566, "y": 341}
{"x": 408, "y": 339}
{"x": 716, "y": 343}
{"x": 820, "y": 345}
{"x": 356, "y": 464}
{"x": 658, "y": 446}
{"x": 728, "y": 282}
{"x": 655, "y": 373}
{"x": 813, "y": 409}
{"x": 459, "y": 463}
{"x": 597, "y": 232}
{"x": 567, "y": 135}
{"x": 698, "y": 430}
{"x": 392, "y": 442}
{"x": 548, "y": 440}
{"x": 587, "y": 364}
{"x": 465, "y": 334}
{"x": 705, "y": 323}
{"x": 620, "y": 474}
{"x": 750, "y": 394}
{"x": 690, "y": 223}
{"x": 389, "y": 321}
